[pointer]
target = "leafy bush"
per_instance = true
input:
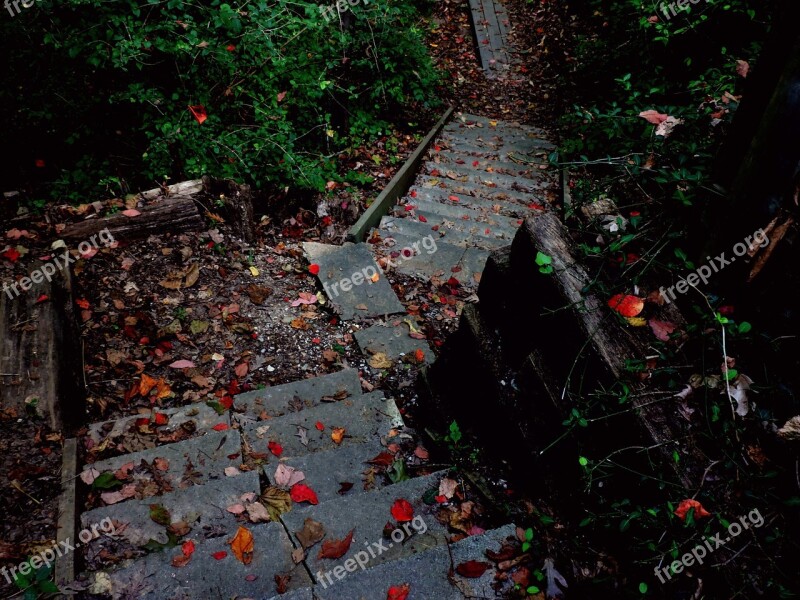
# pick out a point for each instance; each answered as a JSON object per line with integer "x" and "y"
{"x": 283, "y": 91}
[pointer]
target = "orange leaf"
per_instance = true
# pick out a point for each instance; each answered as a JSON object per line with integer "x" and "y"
{"x": 685, "y": 505}
{"x": 336, "y": 548}
{"x": 243, "y": 545}
{"x": 398, "y": 592}
{"x": 402, "y": 510}
{"x": 626, "y": 305}
{"x": 337, "y": 435}
{"x": 83, "y": 303}
{"x": 146, "y": 384}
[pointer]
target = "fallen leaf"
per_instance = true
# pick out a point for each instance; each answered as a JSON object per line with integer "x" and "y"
{"x": 275, "y": 448}
{"x": 277, "y": 502}
{"x": 398, "y": 592}
{"x": 336, "y": 548}
{"x": 653, "y": 116}
{"x": 337, "y": 434}
{"x": 131, "y": 212}
{"x": 219, "y": 555}
{"x": 379, "y": 360}
{"x": 302, "y": 493}
{"x": 472, "y": 569}
{"x": 447, "y": 487}
{"x": 402, "y": 510}
{"x": 258, "y": 513}
{"x": 661, "y": 329}
{"x": 160, "y": 515}
{"x": 626, "y": 305}
{"x": 243, "y": 545}
{"x": 311, "y": 533}
{"x": 685, "y": 505}
{"x": 286, "y": 476}
{"x": 182, "y": 364}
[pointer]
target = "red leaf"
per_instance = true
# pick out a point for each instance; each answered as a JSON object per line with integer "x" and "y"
{"x": 281, "y": 96}
{"x": 453, "y": 198}
{"x": 11, "y": 254}
{"x": 313, "y": 269}
{"x": 230, "y": 47}
{"x": 199, "y": 113}
{"x": 685, "y": 505}
{"x": 275, "y": 448}
{"x": 336, "y": 548}
{"x": 320, "y": 426}
{"x": 475, "y": 163}
{"x": 661, "y": 329}
{"x": 472, "y": 569}
{"x": 302, "y": 493}
{"x": 83, "y": 303}
{"x": 422, "y": 219}
{"x": 398, "y": 592}
{"x": 220, "y": 427}
{"x": 384, "y": 459}
{"x": 402, "y": 510}
{"x": 220, "y": 555}
{"x": 413, "y": 193}
{"x": 626, "y": 305}
{"x": 42, "y": 298}
{"x": 187, "y": 548}
{"x": 39, "y": 163}
{"x": 161, "y": 419}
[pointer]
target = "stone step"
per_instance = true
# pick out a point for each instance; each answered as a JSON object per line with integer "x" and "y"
{"x": 447, "y": 261}
{"x": 278, "y": 400}
{"x": 209, "y": 456}
{"x": 485, "y": 217}
{"x": 478, "y": 122}
{"x": 367, "y": 515}
{"x": 503, "y": 177}
{"x": 468, "y": 227}
{"x": 202, "y": 507}
{"x": 502, "y": 129}
{"x": 452, "y": 159}
{"x": 155, "y": 578}
{"x": 491, "y": 180}
{"x": 452, "y": 235}
{"x": 509, "y": 207}
{"x": 123, "y": 436}
{"x": 326, "y": 471}
{"x": 346, "y": 273}
{"x": 392, "y": 339}
{"x": 522, "y": 156}
{"x": 494, "y": 139}
{"x": 428, "y": 574}
{"x": 520, "y": 193}
{"x": 364, "y": 418}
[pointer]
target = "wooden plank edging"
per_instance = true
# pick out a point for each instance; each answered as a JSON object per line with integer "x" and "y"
{"x": 397, "y": 186}
{"x": 67, "y": 512}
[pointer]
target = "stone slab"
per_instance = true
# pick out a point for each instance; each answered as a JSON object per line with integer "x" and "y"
{"x": 276, "y": 400}
{"x": 454, "y": 212}
{"x": 206, "y": 577}
{"x": 209, "y": 455}
{"x": 393, "y": 340}
{"x": 364, "y": 418}
{"x": 450, "y": 234}
{"x": 198, "y": 505}
{"x": 427, "y": 573}
{"x": 367, "y": 515}
{"x": 507, "y": 207}
{"x": 351, "y": 266}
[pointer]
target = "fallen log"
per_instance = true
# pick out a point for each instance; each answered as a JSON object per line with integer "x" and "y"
{"x": 174, "y": 215}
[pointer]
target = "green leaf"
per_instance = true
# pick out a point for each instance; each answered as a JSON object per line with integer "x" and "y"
{"x": 526, "y": 546}
{"x": 583, "y": 461}
{"x": 532, "y": 589}
{"x": 542, "y": 259}
{"x": 643, "y": 588}
{"x": 105, "y": 481}
{"x": 397, "y": 472}
{"x": 48, "y": 587}
{"x": 529, "y": 534}
{"x": 160, "y": 515}
{"x": 745, "y": 327}
{"x": 731, "y": 374}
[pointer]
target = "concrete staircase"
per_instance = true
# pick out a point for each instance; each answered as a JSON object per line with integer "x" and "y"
{"x": 191, "y": 491}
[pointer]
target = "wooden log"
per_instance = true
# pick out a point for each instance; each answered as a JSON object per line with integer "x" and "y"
{"x": 184, "y": 188}
{"x": 40, "y": 351}
{"x": 174, "y": 215}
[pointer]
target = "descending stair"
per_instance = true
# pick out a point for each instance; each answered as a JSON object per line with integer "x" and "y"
{"x": 199, "y": 477}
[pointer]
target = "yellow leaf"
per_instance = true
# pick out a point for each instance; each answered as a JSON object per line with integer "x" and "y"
{"x": 254, "y": 271}
{"x": 637, "y": 321}
{"x": 329, "y": 132}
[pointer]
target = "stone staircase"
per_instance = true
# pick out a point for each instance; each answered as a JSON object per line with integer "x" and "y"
{"x": 192, "y": 491}
{"x": 192, "y": 477}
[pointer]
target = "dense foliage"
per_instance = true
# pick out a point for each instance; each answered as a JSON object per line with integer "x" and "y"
{"x": 283, "y": 89}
